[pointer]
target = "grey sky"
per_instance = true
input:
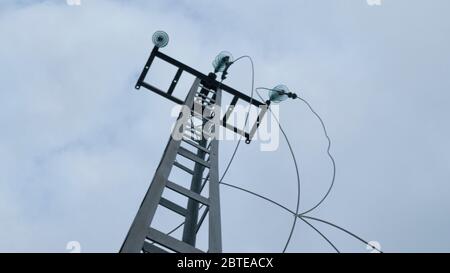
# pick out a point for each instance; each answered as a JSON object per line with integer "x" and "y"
{"x": 79, "y": 145}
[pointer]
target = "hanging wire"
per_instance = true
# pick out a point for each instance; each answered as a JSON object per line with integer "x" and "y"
{"x": 299, "y": 215}
{"x": 321, "y": 234}
{"x": 271, "y": 201}
{"x": 287, "y": 140}
{"x": 328, "y": 153}
{"x": 296, "y": 213}
{"x": 333, "y": 162}
{"x": 342, "y": 229}
{"x": 296, "y": 171}
{"x": 292, "y": 212}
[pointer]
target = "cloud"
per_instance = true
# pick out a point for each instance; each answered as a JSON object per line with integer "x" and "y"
{"x": 79, "y": 145}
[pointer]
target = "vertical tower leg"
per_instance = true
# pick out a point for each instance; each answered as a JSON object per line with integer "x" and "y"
{"x": 190, "y": 224}
{"x": 215, "y": 227}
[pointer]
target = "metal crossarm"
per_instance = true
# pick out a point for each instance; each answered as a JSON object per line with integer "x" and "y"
{"x": 207, "y": 81}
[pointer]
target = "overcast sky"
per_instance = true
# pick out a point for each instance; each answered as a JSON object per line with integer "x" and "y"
{"x": 79, "y": 146}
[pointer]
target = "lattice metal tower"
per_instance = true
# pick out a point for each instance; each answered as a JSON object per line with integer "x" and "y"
{"x": 194, "y": 138}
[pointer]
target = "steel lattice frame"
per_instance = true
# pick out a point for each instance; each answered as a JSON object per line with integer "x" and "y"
{"x": 205, "y": 93}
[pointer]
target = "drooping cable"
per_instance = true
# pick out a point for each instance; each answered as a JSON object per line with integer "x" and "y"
{"x": 181, "y": 224}
{"x": 328, "y": 153}
{"x": 287, "y": 140}
{"x": 271, "y": 201}
{"x": 299, "y": 215}
{"x": 295, "y": 162}
{"x": 328, "y": 148}
{"x": 296, "y": 171}
{"x": 176, "y": 228}
{"x": 294, "y": 159}
{"x": 321, "y": 234}
{"x": 342, "y": 229}
{"x": 292, "y": 212}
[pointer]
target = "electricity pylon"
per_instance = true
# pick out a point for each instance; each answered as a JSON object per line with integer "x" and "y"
{"x": 194, "y": 139}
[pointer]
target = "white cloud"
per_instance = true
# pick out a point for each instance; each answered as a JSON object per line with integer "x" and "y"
{"x": 79, "y": 145}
